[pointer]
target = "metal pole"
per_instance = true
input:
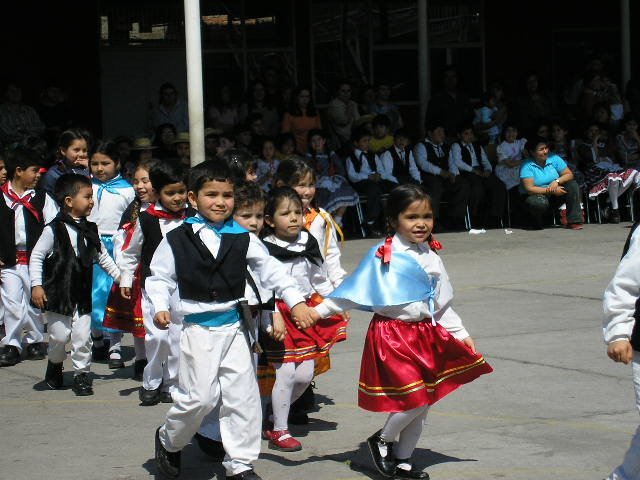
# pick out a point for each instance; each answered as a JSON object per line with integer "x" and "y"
{"x": 424, "y": 87}
{"x": 194, "y": 80}
{"x": 625, "y": 38}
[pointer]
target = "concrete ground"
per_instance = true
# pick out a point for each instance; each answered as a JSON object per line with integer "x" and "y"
{"x": 555, "y": 407}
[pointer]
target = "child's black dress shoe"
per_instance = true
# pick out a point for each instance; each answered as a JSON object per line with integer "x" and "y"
{"x": 149, "y": 397}
{"x": 9, "y": 356}
{"x": 82, "y": 385}
{"x": 53, "y": 375}
{"x": 382, "y": 454}
{"x": 246, "y": 475}
{"x": 168, "y": 463}
{"x": 410, "y": 473}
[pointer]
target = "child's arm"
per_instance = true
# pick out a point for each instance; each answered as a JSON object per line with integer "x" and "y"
{"x": 162, "y": 283}
{"x": 50, "y": 209}
{"x": 455, "y": 157}
{"x": 106, "y": 262}
{"x": 413, "y": 169}
{"x": 384, "y": 165}
{"x": 129, "y": 259}
{"x": 42, "y": 248}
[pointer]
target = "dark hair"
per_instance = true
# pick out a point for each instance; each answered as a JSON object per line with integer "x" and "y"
{"x": 531, "y": 144}
{"x": 166, "y": 86}
{"x": 248, "y": 193}
{"x": 21, "y": 157}
{"x": 276, "y": 197}
{"x": 67, "y": 137}
{"x": 266, "y": 102}
{"x": 506, "y": 126}
{"x": 381, "y": 119}
{"x": 402, "y": 132}
{"x": 208, "y": 171}
{"x": 465, "y": 126}
{"x": 165, "y": 173}
{"x": 358, "y": 133}
{"x": 108, "y": 148}
{"x": 293, "y": 106}
{"x": 283, "y": 138}
{"x": 157, "y": 137}
{"x": 291, "y": 171}
{"x": 401, "y": 197}
{"x": 239, "y": 162}
{"x": 320, "y": 133}
{"x": 431, "y": 125}
{"x": 68, "y": 185}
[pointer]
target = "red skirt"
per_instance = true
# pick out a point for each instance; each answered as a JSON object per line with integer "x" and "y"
{"x": 126, "y": 314}
{"x": 311, "y": 343}
{"x": 406, "y": 365}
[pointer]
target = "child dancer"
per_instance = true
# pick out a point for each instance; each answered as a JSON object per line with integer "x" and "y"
{"x": 167, "y": 213}
{"x": 112, "y": 194}
{"x": 416, "y": 350}
{"x": 204, "y": 261}
{"x": 61, "y": 273}
{"x": 24, "y": 211}
{"x": 73, "y": 157}
{"x": 3, "y": 180}
{"x": 125, "y": 314}
{"x": 293, "y": 358}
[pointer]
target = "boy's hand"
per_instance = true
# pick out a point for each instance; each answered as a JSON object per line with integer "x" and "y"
{"x": 304, "y": 316}
{"x": 620, "y": 351}
{"x": 162, "y": 320}
{"x": 125, "y": 292}
{"x": 470, "y": 343}
{"x": 38, "y": 297}
{"x": 279, "y": 330}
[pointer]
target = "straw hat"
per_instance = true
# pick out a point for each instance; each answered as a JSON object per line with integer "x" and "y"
{"x": 212, "y": 131}
{"x": 142, "y": 143}
{"x": 181, "y": 137}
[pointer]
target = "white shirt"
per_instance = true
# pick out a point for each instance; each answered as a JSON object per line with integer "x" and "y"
{"x": 415, "y": 311}
{"x": 328, "y": 246}
{"x": 386, "y": 162}
{"x": 455, "y": 156}
{"x": 509, "y": 151}
{"x": 49, "y": 211}
{"x": 420, "y": 153}
{"x": 44, "y": 247}
{"x": 365, "y": 170}
{"x": 108, "y": 212}
{"x": 163, "y": 280}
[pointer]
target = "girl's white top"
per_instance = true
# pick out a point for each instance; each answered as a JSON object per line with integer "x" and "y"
{"x": 330, "y": 250}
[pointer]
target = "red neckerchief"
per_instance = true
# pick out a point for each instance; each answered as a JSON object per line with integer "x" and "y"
{"x": 384, "y": 251}
{"x": 24, "y": 201}
{"x": 151, "y": 210}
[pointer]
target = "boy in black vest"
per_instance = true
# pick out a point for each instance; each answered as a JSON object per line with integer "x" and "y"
{"x": 24, "y": 211}
{"x": 439, "y": 176}
{"x": 61, "y": 269}
{"x": 205, "y": 260}
{"x": 398, "y": 160}
{"x": 487, "y": 194}
{"x": 168, "y": 212}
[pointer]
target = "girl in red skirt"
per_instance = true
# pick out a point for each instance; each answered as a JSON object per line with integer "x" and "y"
{"x": 294, "y": 357}
{"x": 416, "y": 350}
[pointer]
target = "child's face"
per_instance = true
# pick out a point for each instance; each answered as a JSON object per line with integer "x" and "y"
{"x": 76, "y": 154}
{"x": 467, "y": 136}
{"x": 543, "y": 131}
{"x": 287, "y": 220}
{"x": 81, "y": 204}
{"x": 3, "y": 172}
{"x": 437, "y": 135}
{"x": 211, "y": 144}
{"x": 145, "y": 155}
{"x": 142, "y": 186}
{"x": 558, "y": 133}
{"x": 592, "y": 132}
{"x": 288, "y": 147}
{"x": 363, "y": 143}
{"x": 251, "y": 175}
{"x": 244, "y": 138}
{"x": 257, "y": 127}
{"x": 28, "y": 177}
{"x": 380, "y": 131}
{"x": 268, "y": 151}
{"x": 225, "y": 144}
{"x": 214, "y": 201}
{"x": 103, "y": 167}
{"x": 510, "y": 134}
{"x": 250, "y": 216}
{"x": 306, "y": 188}
{"x": 183, "y": 150}
{"x": 173, "y": 196}
{"x": 631, "y": 126}
{"x": 167, "y": 136}
{"x": 601, "y": 115}
{"x": 318, "y": 143}
{"x": 401, "y": 142}
{"x": 415, "y": 223}
{"x": 124, "y": 148}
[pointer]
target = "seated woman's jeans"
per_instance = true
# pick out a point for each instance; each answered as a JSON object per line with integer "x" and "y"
{"x": 539, "y": 205}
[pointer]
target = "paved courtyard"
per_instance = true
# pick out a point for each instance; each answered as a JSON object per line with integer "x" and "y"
{"x": 555, "y": 408}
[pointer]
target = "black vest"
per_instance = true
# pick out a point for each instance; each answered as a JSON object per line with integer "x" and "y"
{"x": 400, "y": 168}
{"x": 67, "y": 284}
{"x": 8, "y": 230}
{"x": 203, "y": 278}
{"x": 150, "y": 226}
{"x": 357, "y": 162}
{"x": 466, "y": 155}
{"x": 432, "y": 156}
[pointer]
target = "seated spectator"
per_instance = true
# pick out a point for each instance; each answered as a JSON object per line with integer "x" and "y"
{"x": 183, "y": 148}
{"x": 533, "y": 106}
{"x": 367, "y": 100}
{"x": 301, "y": 117}
{"x": 398, "y": 159}
{"x": 342, "y": 112}
{"x": 163, "y": 138}
{"x": 227, "y": 141}
{"x": 244, "y": 138}
{"x": 384, "y": 106}
{"x": 547, "y": 183}
{"x": 628, "y": 142}
{"x": 243, "y": 166}
{"x": 267, "y": 164}
{"x": 562, "y": 146}
{"x": 124, "y": 144}
{"x": 223, "y": 114}
{"x": 440, "y": 177}
{"x": 211, "y": 142}
{"x": 486, "y": 119}
{"x": 286, "y": 146}
{"x": 450, "y": 107}
{"x": 381, "y": 138}
{"x": 17, "y": 120}
{"x": 54, "y": 111}
{"x": 257, "y": 102}
{"x": 170, "y": 109}
{"x": 510, "y": 153}
{"x": 142, "y": 150}
{"x": 487, "y": 194}
{"x": 255, "y": 123}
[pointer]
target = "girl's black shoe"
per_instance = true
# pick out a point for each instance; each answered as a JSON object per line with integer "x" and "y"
{"x": 410, "y": 474}
{"x": 382, "y": 454}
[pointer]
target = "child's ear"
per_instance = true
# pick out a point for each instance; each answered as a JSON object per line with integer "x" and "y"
{"x": 269, "y": 221}
{"x": 280, "y": 183}
{"x": 68, "y": 201}
{"x": 193, "y": 199}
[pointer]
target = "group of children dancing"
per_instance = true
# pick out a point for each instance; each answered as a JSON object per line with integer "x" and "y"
{"x": 222, "y": 285}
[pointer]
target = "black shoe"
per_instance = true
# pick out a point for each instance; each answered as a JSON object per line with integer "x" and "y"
{"x": 115, "y": 363}
{"x": 165, "y": 397}
{"x": 414, "y": 473}
{"x": 101, "y": 353}
{"x": 149, "y": 397}
{"x": 212, "y": 448}
{"x": 615, "y": 216}
{"x": 382, "y": 460}
{"x": 10, "y": 356}
{"x": 307, "y": 401}
{"x": 53, "y": 375}
{"x": 82, "y": 385}
{"x": 36, "y": 351}
{"x": 138, "y": 369}
{"x": 168, "y": 463}
{"x": 246, "y": 475}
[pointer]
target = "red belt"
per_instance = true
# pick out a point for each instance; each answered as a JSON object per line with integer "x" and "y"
{"x": 22, "y": 257}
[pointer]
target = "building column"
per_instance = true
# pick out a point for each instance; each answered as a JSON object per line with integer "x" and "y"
{"x": 625, "y": 38}
{"x": 424, "y": 87}
{"x": 195, "y": 97}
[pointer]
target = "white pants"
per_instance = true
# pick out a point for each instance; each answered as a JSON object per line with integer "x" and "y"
{"x": 163, "y": 350}
{"x": 61, "y": 329}
{"x": 630, "y": 468}
{"x": 19, "y": 315}
{"x": 215, "y": 365}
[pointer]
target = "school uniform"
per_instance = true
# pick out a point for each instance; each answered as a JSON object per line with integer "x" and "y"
{"x": 62, "y": 263}
{"x": 22, "y": 218}
{"x": 207, "y": 265}
{"x": 432, "y": 159}
{"x": 400, "y": 164}
{"x": 359, "y": 166}
{"x": 470, "y": 159}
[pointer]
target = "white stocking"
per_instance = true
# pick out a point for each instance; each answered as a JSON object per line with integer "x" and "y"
{"x": 292, "y": 379}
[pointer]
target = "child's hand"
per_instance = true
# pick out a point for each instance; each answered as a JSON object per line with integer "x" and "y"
{"x": 620, "y": 351}
{"x": 162, "y": 320}
{"x": 279, "y": 330}
{"x": 470, "y": 343}
{"x": 346, "y": 316}
{"x": 304, "y": 316}
{"x": 39, "y": 297}
{"x": 125, "y": 292}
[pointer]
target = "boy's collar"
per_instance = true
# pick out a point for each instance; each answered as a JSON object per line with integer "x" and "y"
{"x": 26, "y": 191}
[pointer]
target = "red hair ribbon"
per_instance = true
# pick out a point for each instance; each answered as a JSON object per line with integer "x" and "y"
{"x": 434, "y": 244}
{"x": 384, "y": 251}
